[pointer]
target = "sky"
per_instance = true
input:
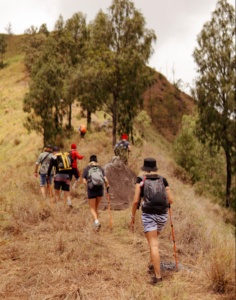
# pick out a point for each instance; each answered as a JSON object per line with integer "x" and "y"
{"x": 175, "y": 22}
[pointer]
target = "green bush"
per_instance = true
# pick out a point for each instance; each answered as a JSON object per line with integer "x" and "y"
{"x": 204, "y": 164}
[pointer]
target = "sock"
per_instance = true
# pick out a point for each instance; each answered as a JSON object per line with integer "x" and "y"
{"x": 96, "y": 222}
{"x": 69, "y": 201}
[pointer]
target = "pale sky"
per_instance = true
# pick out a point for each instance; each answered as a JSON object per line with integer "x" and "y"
{"x": 175, "y": 22}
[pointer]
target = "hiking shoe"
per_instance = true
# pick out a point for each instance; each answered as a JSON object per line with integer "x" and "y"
{"x": 97, "y": 226}
{"x": 154, "y": 280}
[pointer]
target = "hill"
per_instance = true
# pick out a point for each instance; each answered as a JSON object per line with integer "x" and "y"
{"x": 54, "y": 254}
{"x": 166, "y": 104}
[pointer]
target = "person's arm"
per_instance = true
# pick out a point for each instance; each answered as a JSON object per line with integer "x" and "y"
{"x": 78, "y": 156}
{"x": 36, "y": 170}
{"x": 129, "y": 148}
{"x": 170, "y": 198}
{"x": 85, "y": 182}
{"x": 50, "y": 166}
{"x": 37, "y": 165}
{"x": 135, "y": 203}
{"x": 106, "y": 182}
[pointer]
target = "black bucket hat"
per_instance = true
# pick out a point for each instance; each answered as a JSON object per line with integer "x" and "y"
{"x": 49, "y": 146}
{"x": 149, "y": 165}
{"x": 93, "y": 158}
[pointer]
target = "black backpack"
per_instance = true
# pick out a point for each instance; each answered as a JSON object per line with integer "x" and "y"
{"x": 121, "y": 148}
{"x": 155, "y": 195}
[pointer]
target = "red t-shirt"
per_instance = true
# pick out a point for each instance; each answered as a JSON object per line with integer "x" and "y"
{"x": 75, "y": 155}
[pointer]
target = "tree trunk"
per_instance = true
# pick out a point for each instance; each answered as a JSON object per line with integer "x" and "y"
{"x": 114, "y": 120}
{"x": 69, "y": 116}
{"x": 228, "y": 184}
{"x": 88, "y": 117}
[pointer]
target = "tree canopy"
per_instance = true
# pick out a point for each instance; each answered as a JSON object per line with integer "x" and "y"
{"x": 215, "y": 85}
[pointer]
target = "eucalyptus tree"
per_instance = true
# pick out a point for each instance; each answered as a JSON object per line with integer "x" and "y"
{"x": 215, "y": 85}
{"x": 120, "y": 47}
{"x": 77, "y": 31}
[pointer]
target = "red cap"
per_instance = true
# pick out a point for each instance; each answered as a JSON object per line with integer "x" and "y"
{"x": 73, "y": 146}
{"x": 124, "y": 137}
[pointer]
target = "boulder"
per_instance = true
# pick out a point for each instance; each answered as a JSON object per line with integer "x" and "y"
{"x": 122, "y": 185}
{"x": 104, "y": 124}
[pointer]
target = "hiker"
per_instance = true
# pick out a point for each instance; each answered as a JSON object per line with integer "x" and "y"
{"x": 82, "y": 130}
{"x": 122, "y": 149}
{"x": 62, "y": 177}
{"x": 44, "y": 160}
{"x": 154, "y": 209}
{"x": 93, "y": 179}
{"x": 75, "y": 155}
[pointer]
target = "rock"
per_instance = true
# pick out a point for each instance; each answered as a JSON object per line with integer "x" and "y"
{"x": 105, "y": 124}
{"x": 122, "y": 185}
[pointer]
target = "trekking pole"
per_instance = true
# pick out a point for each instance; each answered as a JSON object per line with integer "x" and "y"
{"x": 50, "y": 192}
{"x": 172, "y": 227}
{"x": 109, "y": 206}
{"x": 81, "y": 173}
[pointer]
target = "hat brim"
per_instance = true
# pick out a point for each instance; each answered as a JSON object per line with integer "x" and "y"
{"x": 149, "y": 169}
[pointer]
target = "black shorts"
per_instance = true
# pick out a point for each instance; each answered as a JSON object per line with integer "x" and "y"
{"x": 95, "y": 193}
{"x": 74, "y": 172}
{"x": 82, "y": 134}
{"x": 61, "y": 185}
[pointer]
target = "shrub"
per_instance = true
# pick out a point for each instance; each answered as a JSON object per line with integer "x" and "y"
{"x": 220, "y": 267}
{"x": 17, "y": 141}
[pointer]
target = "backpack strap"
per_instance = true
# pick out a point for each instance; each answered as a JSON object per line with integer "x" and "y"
{"x": 72, "y": 159}
{"x": 44, "y": 158}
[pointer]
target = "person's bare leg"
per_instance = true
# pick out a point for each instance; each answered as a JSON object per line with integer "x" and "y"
{"x": 92, "y": 205}
{"x": 150, "y": 250}
{"x": 57, "y": 195}
{"x": 47, "y": 191}
{"x": 43, "y": 191}
{"x": 153, "y": 243}
{"x": 98, "y": 200}
{"x": 67, "y": 197}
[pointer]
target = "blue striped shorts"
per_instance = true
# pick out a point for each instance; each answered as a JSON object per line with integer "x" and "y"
{"x": 153, "y": 222}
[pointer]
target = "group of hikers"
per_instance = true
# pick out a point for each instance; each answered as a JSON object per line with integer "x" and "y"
{"x": 152, "y": 188}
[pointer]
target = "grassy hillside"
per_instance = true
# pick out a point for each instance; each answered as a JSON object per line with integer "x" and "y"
{"x": 54, "y": 254}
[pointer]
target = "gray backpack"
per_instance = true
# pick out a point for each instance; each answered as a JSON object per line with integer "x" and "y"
{"x": 95, "y": 177}
{"x": 155, "y": 196}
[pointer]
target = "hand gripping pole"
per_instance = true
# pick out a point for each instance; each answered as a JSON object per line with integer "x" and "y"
{"x": 81, "y": 171}
{"x": 172, "y": 227}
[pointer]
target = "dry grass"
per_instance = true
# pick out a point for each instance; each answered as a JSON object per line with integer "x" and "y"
{"x": 54, "y": 254}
